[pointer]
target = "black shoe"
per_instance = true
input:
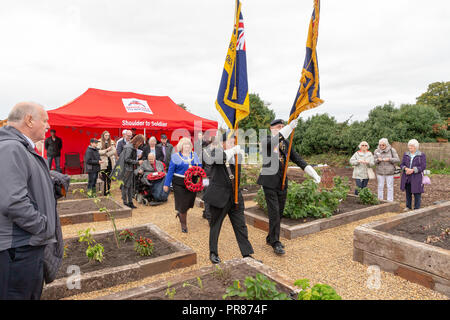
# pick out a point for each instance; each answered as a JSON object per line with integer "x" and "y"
{"x": 278, "y": 249}
{"x": 251, "y": 257}
{"x": 268, "y": 243}
{"x": 126, "y": 204}
{"x": 131, "y": 205}
{"x": 214, "y": 258}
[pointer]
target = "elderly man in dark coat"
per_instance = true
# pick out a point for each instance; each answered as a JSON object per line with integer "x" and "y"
{"x": 28, "y": 218}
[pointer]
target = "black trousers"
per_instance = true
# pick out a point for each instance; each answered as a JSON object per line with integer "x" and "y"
{"x": 237, "y": 219}
{"x": 104, "y": 174}
{"x": 22, "y": 273}
{"x": 92, "y": 181}
{"x": 276, "y": 200}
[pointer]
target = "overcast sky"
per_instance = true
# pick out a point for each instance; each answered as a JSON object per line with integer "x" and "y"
{"x": 369, "y": 52}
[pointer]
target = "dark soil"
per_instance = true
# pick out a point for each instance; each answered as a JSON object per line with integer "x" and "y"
{"x": 349, "y": 204}
{"x": 429, "y": 229}
{"x": 86, "y": 205}
{"x": 112, "y": 256}
{"x": 438, "y": 190}
{"x": 214, "y": 285}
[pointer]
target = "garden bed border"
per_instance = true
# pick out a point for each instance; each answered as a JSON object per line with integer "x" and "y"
{"x": 412, "y": 260}
{"x": 94, "y": 216}
{"x": 109, "y": 277}
{"x": 158, "y": 285}
{"x": 292, "y": 232}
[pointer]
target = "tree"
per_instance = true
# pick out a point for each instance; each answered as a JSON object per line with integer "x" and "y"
{"x": 182, "y": 105}
{"x": 260, "y": 115}
{"x": 438, "y": 97}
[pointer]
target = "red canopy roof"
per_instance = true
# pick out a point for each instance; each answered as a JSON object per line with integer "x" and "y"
{"x": 112, "y": 109}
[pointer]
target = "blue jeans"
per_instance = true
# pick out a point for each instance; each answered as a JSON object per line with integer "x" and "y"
{"x": 158, "y": 191}
{"x": 417, "y": 197}
{"x": 361, "y": 183}
{"x": 57, "y": 163}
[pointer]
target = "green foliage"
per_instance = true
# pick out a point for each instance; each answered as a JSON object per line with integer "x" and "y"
{"x": 198, "y": 286}
{"x": 126, "y": 235}
{"x": 249, "y": 175}
{"x": 260, "y": 115}
{"x": 258, "y": 288}
{"x": 438, "y": 97}
{"x": 317, "y": 292}
{"x": 439, "y": 167}
{"x": 86, "y": 236}
{"x": 367, "y": 197}
{"x": 306, "y": 200}
{"x": 170, "y": 292}
{"x": 95, "y": 252}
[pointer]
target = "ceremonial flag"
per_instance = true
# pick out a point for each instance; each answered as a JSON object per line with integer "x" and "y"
{"x": 308, "y": 94}
{"x": 233, "y": 100}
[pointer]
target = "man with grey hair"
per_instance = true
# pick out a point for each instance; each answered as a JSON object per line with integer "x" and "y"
{"x": 126, "y": 138}
{"x": 28, "y": 218}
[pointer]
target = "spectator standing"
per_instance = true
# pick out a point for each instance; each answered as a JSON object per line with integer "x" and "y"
{"x": 53, "y": 145}
{"x": 413, "y": 164}
{"x": 28, "y": 218}
{"x": 123, "y": 142}
{"x": 107, "y": 151}
{"x": 361, "y": 162}
{"x": 93, "y": 162}
{"x": 385, "y": 157}
{"x": 166, "y": 149}
{"x": 151, "y": 147}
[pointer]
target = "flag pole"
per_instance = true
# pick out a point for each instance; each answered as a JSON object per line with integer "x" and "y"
{"x": 287, "y": 160}
{"x": 236, "y": 170}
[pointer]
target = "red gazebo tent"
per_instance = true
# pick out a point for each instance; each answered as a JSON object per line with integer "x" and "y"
{"x": 97, "y": 110}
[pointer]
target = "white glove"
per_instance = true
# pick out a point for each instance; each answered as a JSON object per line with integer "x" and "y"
{"x": 231, "y": 152}
{"x": 312, "y": 173}
{"x": 287, "y": 130}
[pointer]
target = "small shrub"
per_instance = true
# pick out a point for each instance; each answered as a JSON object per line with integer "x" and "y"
{"x": 367, "y": 197}
{"x": 95, "y": 252}
{"x": 126, "y": 235}
{"x": 143, "y": 246}
{"x": 317, "y": 292}
{"x": 258, "y": 288}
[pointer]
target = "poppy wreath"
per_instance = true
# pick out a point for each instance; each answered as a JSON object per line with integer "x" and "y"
{"x": 189, "y": 177}
{"x": 153, "y": 177}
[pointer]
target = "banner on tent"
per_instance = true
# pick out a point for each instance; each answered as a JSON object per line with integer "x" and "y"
{"x": 136, "y": 105}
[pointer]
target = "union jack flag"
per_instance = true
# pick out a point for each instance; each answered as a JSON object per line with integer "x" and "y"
{"x": 240, "y": 45}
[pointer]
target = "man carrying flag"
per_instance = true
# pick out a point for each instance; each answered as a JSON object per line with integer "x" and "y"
{"x": 223, "y": 194}
{"x": 276, "y": 150}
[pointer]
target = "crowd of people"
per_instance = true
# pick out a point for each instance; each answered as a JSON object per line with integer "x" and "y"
{"x": 387, "y": 164}
{"x": 31, "y": 245}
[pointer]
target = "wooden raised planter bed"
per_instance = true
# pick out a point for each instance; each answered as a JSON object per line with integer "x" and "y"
{"x": 80, "y": 185}
{"x": 214, "y": 286}
{"x": 86, "y": 210}
{"x": 389, "y": 244}
{"x": 119, "y": 265}
{"x": 291, "y": 229}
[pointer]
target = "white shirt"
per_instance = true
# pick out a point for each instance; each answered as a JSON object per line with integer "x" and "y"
{"x": 30, "y": 141}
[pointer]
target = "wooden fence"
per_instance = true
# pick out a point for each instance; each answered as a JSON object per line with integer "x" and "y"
{"x": 433, "y": 151}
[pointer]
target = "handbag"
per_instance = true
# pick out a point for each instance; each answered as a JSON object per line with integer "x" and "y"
{"x": 370, "y": 173}
{"x": 425, "y": 179}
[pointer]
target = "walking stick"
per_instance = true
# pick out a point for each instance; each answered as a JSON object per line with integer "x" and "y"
{"x": 236, "y": 171}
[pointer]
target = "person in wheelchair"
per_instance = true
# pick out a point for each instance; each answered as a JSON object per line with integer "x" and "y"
{"x": 150, "y": 177}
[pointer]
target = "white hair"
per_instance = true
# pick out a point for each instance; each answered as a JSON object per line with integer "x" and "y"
{"x": 384, "y": 141}
{"x": 182, "y": 142}
{"x": 124, "y": 132}
{"x": 152, "y": 138}
{"x": 365, "y": 142}
{"x": 414, "y": 142}
{"x": 22, "y": 109}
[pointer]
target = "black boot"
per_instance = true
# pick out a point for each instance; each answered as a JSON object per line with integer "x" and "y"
{"x": 214, "y": 258}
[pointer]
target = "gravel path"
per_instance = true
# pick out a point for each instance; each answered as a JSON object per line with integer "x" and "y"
{"x": 324, "y": 257}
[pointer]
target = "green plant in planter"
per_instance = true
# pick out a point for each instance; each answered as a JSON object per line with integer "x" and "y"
{"x": 317, "y": 292}
{"x": 126, "y": 235}
{"x": 93, "y": 252}
{"x": 367, "y": 197}
{"x": 199, "y": 284}
{"x": 258, "y": 288}
{"x": 306, "y": 200}
{"x": 143, "y": 246}
{"x": 170, "y": 292}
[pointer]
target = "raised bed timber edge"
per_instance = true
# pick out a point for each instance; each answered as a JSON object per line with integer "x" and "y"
{"x": 302, "y": 229}
{"x": 74, "y": 188}
{"x": 157, "y": 286}
{"x": 418, "y": 262}
{"x": 119, "y": 211}
{"x": 183, "y": 256}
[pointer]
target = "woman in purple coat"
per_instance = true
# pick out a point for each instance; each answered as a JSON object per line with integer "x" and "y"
{"x": 413, "y": 164}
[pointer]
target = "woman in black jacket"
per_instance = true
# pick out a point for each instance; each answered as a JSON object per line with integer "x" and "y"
{"x": 92, "y": 160}
{"x": 124, "y": 170}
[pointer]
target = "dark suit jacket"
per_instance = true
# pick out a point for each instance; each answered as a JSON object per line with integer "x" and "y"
{"x": 220, "y": 189}
{"x": 271, "y": 175}
{"x": 169, "y": 150}
{"x": 158, "y": 152}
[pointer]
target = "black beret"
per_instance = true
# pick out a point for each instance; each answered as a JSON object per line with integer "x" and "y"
{"x": 276, "y": 121}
